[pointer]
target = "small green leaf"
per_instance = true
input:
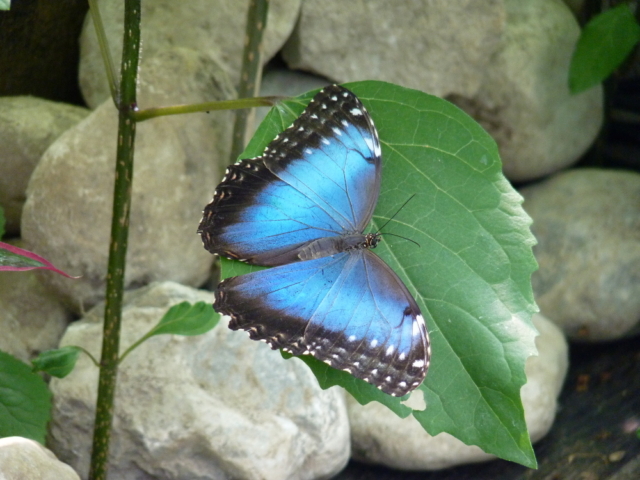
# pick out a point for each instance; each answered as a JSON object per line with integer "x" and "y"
{"x": 25, "y": 401}
{"x": 57, "y": 363}
{"x": 187, "y": 319}
{"x": 5, "y": 4}
{"x": 181, "y": 319}
{"x": 602, "y": 47}
{"x": 471, "y": 275}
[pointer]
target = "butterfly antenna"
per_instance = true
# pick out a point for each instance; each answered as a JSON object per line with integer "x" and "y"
{"x": 392, "y": 217}
{"x": 400, "y": 236}
{"x": 397, "y": 212}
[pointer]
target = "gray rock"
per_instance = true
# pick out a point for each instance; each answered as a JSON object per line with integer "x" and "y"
{"x": 525, "y": 103}
{"x": 379, "y": 436}
{"x": 587, "y": 223}
{"x": 213, "y": 406}
{"x": 436, "y": 47}
{"x": 32, "y": 320}
{"x": 286, "y": 83}
{"x": 28, "y": 125}
{"x": 280, "y": 81}
{"x": 504, "y": 61}
{"x": 67, "y": 216}
{"x": 211, "y": 27}
{"x": 24, "y": 459}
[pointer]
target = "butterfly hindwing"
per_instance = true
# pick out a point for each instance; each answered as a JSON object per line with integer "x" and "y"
{"x": 318, "y": 178}
{"x": 349, "y": 310}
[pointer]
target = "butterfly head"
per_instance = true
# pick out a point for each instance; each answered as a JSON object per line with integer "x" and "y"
{"x": 371, "y": 240}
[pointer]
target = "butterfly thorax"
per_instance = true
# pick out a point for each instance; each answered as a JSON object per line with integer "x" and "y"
{"x": 327, "y": 246}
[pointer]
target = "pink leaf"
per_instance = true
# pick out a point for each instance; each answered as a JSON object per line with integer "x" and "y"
{"x": 14, "y": 259}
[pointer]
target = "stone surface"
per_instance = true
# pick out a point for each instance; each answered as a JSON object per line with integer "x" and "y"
{"x": 280, "y": 81}
{"x": 286, "y": 83}
{"x": 504, "y": 61}
{"x": 67, "y": 216}
{"x": 211, "y": 27}
{"x": 587, "y": 222}
{"x": 28, "y": 125}
{"x": 525, "y": 103}
{"x": 379, "y": 436}
{"x": 438, "y": 47}
{"x": 32, "y": 320}
{"x": 24, "y": 459}
{"x": 213, "y": 406}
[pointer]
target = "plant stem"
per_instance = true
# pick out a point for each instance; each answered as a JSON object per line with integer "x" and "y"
{"x": 104, "y": 50}
{"x": 147, "y": 113}
{"x": 118, "y": 242}
{"x": 251, "y": 70}
{"x": 88, "y": 354}
{"x": 136, "y": 344}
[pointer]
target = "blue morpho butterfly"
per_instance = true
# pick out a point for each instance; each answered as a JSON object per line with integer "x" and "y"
{"x": 302, "y": 207}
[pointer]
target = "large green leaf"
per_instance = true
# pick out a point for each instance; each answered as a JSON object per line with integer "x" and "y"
{"x": 25, "y": 401}
{"x": 470, "y": 275}
{"x": 603, "y": 45}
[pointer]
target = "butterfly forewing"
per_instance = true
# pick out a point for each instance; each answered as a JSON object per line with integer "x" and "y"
{"x": 318, "y": 178}
{"x": 333, "y": 157}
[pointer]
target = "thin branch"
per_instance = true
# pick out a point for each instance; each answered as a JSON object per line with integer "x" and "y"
{"x": 251, "y": 72}
{"x": 136, "y": 344}
{"x": 88, "y": 354}
{"x": 146, "y": 114}
{"x": 104, "y": 50}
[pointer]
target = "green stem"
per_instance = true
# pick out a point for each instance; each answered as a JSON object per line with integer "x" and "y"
{"x": 146, "y": 114}
{"x": 118, "y": 242}
{"x": 136, "y": 344}
{"x": 104, "y": 50}
{"x": 251, "y": 71}
{"x": 88, "y": 354}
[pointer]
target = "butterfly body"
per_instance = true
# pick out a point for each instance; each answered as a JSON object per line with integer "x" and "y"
{"x": 302, "y": 207}
{"x": 343, "y": 243}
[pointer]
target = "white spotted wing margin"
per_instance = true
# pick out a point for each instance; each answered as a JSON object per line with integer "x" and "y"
{"x": 349, "y": 310}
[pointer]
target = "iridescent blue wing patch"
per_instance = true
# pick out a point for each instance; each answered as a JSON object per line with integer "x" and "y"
{"x": 319, "y": 178}
{"x": 302, "y": 207}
